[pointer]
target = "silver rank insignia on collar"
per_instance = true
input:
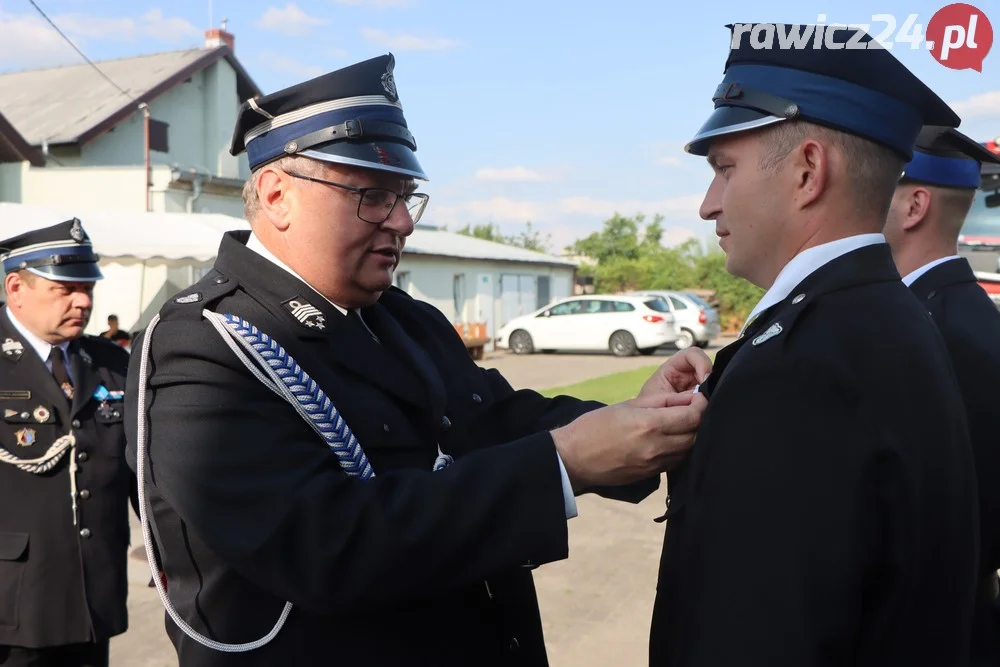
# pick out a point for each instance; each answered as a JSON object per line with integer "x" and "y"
{"x": 770, "y": 333}
{"x": 13, "y": 348}
{"x": 307, "y": 314}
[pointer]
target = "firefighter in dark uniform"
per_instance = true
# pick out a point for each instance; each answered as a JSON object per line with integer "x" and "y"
{"x": 64, "y": 483}
{"x": 827, "y": 514}
{"x": 329, "y": 477}
{"x": 932, "y": 199}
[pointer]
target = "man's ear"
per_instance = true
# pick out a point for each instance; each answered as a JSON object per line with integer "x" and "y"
{"x": 13, "y": 284}
{"x": 916, "y": 205}
{"x": 811, "y": 165}
{"x": 273, "y": 187}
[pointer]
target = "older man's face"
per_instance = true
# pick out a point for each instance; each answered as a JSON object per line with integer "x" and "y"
{"x": 355, "y": 257}
{"x": 55, "y": 311}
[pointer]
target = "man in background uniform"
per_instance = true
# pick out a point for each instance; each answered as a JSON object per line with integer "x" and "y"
{"x": 64, "y": 483}
{"x": 928, "y": 210}
{"x": 827, "y": 514}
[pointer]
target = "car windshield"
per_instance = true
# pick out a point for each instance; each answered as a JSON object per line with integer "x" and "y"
{"x": 982, "y": 221}
{"x": 698, "y": 300}
{"x": 659, "y": 305}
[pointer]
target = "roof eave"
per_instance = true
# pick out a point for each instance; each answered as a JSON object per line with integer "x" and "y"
{"x": 18, "y": 145}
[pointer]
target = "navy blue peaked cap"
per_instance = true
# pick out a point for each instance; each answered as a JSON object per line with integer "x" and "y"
{"x": 61, "y": 252}
{"x": 861, "y": 91}
{"x": 351, "y": 116}
{"x": 947, "y": 158}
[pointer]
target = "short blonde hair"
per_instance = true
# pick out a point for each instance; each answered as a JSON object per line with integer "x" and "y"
{"x": 251, "y": 198}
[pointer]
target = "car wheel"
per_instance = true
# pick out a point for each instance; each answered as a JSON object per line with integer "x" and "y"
{"x": 520, "y": 342}
{"x": 622, "y": 344}
{"x": 684, "y": 340}
{"x": 703, "y": 343}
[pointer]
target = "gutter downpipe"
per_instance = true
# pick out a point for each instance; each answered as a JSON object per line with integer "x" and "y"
{"x": 195, "y": 193}
{"x": 145, "y": 152}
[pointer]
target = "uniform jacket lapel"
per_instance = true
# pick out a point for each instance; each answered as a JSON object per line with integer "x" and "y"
{"x": 315, "y": 326}
{"x": 85, "y": 377}
{"x": 29, "y": 364}
{"x": 946, "y": 274}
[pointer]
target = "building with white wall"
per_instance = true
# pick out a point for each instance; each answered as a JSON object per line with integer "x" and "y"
{"x": 473, "y": 280}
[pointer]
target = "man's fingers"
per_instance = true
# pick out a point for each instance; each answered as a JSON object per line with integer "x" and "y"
{"x": 680, "y": 420}
{"x": 662, "y": 399}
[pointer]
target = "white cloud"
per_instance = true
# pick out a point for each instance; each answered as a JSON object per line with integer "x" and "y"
{"x": 290, "y": 21}
{"x": 287, "y": 65}
{"x": 978, "y": 106}
{"x": 511, "y": 174}
{"x": 26, "y": 40}
{"x": 404, "y": 42}
{"x": 497, "y": 209}
{"x": 684, "y": 208}
{"x": 669, "y": 161}
{"x": 374, "y": 3}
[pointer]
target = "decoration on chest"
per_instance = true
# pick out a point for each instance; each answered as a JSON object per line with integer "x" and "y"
{"x": 41, "y": 414}
{"x": 13, "y": 349}
{"x": 307, "y": 314}
{"x": 771, "y": 332}
{"x": 25, "y": 437}
{"x": 110, "y": 407}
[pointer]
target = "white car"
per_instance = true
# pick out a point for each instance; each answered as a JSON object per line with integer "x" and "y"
{"x": 626, "y": 325}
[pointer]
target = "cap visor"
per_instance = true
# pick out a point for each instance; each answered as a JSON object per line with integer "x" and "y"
{"x": 384, "y": 156}
{"x": 82, "y": 273}
{"x": 727, "y": 120}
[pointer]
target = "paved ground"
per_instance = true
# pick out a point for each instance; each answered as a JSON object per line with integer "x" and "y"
{"x": 595, "y": 606}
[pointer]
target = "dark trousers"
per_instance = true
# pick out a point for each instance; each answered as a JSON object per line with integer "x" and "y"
{"x": 71, "y": 655}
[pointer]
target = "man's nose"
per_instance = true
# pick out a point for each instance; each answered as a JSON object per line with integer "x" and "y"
{"x": 711, "y": 206}
{"x": 400, "y": 221}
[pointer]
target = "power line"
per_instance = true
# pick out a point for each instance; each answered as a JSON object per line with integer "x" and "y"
{"x": 77, "y": 49}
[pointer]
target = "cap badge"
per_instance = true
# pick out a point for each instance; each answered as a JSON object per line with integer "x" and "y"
{"x": 389, "y": 81}
{"x": 76, "y": 231}
{"x": 25, "y": 437}
{"x": 307, "y": 314}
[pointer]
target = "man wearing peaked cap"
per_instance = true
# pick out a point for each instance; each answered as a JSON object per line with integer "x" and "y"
{"x": 390, "y": 510}
{"x": 928, "y": 211}
{"x": 64, "y": 482}
{"x": 827, "y": 514}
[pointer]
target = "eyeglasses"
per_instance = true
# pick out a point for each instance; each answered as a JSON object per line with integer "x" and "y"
{"x": 375, "y": 205}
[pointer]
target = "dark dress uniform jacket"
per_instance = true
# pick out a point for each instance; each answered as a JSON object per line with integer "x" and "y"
{"x": 62, "y": 583}
{"x": 827, "y": 515}
{"x": 970, "y": 324}
{"x": 251, "y": 509}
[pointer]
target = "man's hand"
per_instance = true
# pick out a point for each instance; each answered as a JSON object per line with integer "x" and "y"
{"x": 627, "y": 442}
{"x": 680, "y": 373}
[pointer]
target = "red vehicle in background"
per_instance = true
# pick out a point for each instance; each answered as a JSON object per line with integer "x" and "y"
{"x": 979, "y": 241}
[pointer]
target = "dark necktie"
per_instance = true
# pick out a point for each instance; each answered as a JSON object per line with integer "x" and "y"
{"x": 59, "y": 371}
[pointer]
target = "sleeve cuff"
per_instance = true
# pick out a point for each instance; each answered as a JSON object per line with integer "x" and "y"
{"x": 568, "y": 498}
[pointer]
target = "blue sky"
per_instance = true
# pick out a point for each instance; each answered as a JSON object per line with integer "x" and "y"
{"x": 556, "y": 112}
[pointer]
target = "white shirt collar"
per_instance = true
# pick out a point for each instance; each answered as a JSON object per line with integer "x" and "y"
{"x": 912, "y": 276}
{"x": 40, "y": 346}
{"x": 254, "y": 244}
{"x": 806, "y": 263}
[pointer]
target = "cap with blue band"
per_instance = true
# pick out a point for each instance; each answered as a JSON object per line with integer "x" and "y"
{"x": 860, "y": 91}
{"x": 61, "y": 252}
{"x": 944, "y": 157}
{"x": 351, "y": 116}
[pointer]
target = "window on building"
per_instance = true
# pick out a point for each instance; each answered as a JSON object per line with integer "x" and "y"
{"x": 158, "y": 136}
{"x": 403, "y": 281}
{"x": 543, "y": 291}
{"x": 458, "y": 291}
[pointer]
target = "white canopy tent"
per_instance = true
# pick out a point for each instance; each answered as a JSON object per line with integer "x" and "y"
{"x": 145, "y": 257}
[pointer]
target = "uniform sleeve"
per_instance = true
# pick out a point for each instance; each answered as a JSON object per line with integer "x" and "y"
{"x": 240, "y": 470}
{"x": 528, "y": 411}
{"x": 786, "y": 509}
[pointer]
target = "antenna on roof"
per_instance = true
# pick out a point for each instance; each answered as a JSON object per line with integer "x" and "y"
{"x": 211, "y": 20}
{"x": 225, "y": 21}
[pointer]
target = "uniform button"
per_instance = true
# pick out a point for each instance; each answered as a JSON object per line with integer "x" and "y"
{"x": 385, "y": 427}
{"x": 798, "y": 298}
{"x": 76, "y": 423}
{"x": 82, "y": 456}
{"x": 85, "y": 533}
{"x": 931, "y": 295}
{"x": 221, "y": 279}
{"x": 445, "y": 422}
{"x": 477, "y": 398}
{"x": 85, "y": 494}
{"x": 514, "y": 644}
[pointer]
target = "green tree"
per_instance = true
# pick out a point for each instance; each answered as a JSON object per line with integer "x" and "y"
{"x": 528, "y": 238}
